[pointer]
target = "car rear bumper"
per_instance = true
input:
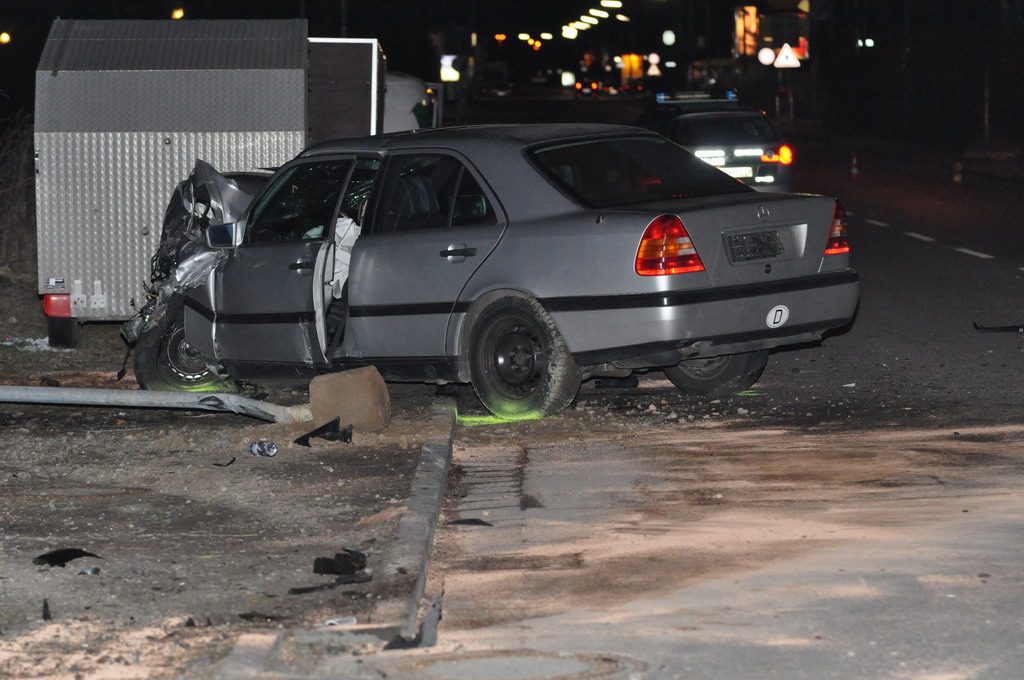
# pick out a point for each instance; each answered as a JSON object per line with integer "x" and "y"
{"x": 706, "y": 322}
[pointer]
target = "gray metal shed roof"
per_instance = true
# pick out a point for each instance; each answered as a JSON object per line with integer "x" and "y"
{"x": 174, "y": 45}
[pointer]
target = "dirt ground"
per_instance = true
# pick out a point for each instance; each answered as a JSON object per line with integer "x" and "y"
{"x": 195, "y": 540}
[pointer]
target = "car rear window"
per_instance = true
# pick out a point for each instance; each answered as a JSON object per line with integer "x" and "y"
{"x": 629, "y": 171}
{"x": 725, "y": 130}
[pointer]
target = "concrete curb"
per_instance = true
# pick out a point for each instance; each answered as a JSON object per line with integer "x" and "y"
{"x": 395, "y": 621}
{"x": 410, "y": 553}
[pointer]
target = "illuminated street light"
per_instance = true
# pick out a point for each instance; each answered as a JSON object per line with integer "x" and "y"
{"x": 546, "y": 36}
{"x": 569, "y": 32}
{"x": 5, "y": 38}
{"x": 590, "y": 20}
{"x": 523, "y": 36}
{"x": 500, "y": 37}
{"x": 599, "y": 13}
{"x": 580, "y": 26}
{"x": 622, "y": 17}
{"x": 613, "y": 4}
{"x": 178, "y": 13}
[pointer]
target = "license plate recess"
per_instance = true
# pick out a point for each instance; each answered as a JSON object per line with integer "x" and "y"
{"x": 760, "y": 245}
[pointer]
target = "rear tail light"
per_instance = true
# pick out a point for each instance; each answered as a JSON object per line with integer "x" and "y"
{"x": 57, "y": 306}
{"x": 666, "y": 248}
{"x": 838, "y": 239}
{"x": 783, "y": 155}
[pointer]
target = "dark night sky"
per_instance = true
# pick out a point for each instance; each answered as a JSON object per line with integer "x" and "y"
{"x": 403, "y": 26}
{"x": 931, "y": 55}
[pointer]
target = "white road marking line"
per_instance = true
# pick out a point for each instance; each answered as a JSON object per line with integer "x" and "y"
{"x": 974, "y": 253}
{"x": 877, "y": 223}
{"x": 920, "y": 237}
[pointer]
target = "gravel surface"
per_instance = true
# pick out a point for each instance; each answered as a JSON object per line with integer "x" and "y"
{"x": 194, "y": 540}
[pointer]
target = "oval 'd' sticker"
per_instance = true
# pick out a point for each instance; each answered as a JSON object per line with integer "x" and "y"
{"x": 778, "y": 315}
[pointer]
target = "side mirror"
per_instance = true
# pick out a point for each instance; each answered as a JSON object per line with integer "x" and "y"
{"x": 220, "y": 235}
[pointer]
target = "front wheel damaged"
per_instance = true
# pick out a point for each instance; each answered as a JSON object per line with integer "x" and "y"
{"x": 165, "y": 361}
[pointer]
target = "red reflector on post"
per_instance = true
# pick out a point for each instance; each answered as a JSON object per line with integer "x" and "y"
{"x": 838, "y": 237}
{"x": 57, "y": 305}
{"x": 666, "y": 248}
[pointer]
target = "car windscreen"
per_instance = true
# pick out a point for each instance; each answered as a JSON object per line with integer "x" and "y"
{"x": 724, "y": 130}
{"x": 631, "y": 170}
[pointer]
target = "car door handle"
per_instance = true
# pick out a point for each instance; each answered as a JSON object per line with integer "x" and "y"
{"x": 458, "y": 252}
{"x": 301, "y": 266}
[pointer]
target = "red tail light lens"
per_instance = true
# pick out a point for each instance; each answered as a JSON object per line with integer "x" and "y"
{"x": 838, "y": 239}
{"x": 783, "y": 155}
{"x": 666, "y": 248}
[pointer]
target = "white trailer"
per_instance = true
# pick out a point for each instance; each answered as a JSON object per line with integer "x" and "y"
{"x": 123, "y": 110}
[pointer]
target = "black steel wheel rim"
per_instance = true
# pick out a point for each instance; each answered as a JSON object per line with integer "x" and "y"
{"x": 519, "y": 357}
{"x": 180, "y": 362}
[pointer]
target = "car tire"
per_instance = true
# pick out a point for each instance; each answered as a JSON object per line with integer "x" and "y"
{"x": 62, "y": 332}
{"x": 520, "y": 365}
{"x": 718, "y": 376}
{"x": 164, "y": 361}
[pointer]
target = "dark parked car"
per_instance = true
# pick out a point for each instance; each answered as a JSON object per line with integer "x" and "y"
{"x": 741, "y": 142}
{"x": 521, "y": 259}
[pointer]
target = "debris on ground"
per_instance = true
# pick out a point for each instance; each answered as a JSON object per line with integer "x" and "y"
{"x": 59, "y": 558}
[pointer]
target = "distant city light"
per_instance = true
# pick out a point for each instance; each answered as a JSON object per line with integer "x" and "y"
{"x": 523, "y": 36}
{"x": 668, "y": 38}
{"x": 546, "y": 36}
{"x": 622, "y": 17}
{"x": 590, "y": 20}
{"x": 599, "y": 13}
{"x": 614, "y": 4}
{"x": 5, "y": 38}
{"x": 178, "y": 13}
{"x": 500, "y": 37}
{"x": 580, "y": 26}
{"x": 570, "y": 33}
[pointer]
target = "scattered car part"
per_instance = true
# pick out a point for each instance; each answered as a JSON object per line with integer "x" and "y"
{"x": 332, "y": 432}
{"x": 230, "y": 462}
{"x": 998, "y": 329}
{"x": 60, "y": 557}
{"x": 345, "y": 563}
{"x": 470, "y": 522}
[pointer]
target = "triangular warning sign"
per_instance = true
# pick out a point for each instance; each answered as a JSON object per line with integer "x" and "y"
{"x": 787, "y": 58}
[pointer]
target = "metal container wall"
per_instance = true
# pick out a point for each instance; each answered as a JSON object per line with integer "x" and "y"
{"x": 100, "y": 200}
{"x": 123, "y": 110}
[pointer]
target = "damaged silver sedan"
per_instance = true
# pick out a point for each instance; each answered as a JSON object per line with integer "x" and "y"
{"x": 521, "y": 259}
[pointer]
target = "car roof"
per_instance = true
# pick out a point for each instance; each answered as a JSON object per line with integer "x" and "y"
{"x": 497, "y": 153}
{"x": 472, "y": 135}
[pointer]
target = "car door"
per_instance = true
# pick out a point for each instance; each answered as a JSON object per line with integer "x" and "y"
{"x": 269, "y": 292}
{"x": 432, "y": 225}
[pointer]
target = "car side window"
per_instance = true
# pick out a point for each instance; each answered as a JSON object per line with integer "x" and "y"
{"x": 301, "y": 203}
{"x": 430, "y": 191}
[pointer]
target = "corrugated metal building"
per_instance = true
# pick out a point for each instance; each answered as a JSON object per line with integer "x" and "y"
{"x": 124, "y": 109}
